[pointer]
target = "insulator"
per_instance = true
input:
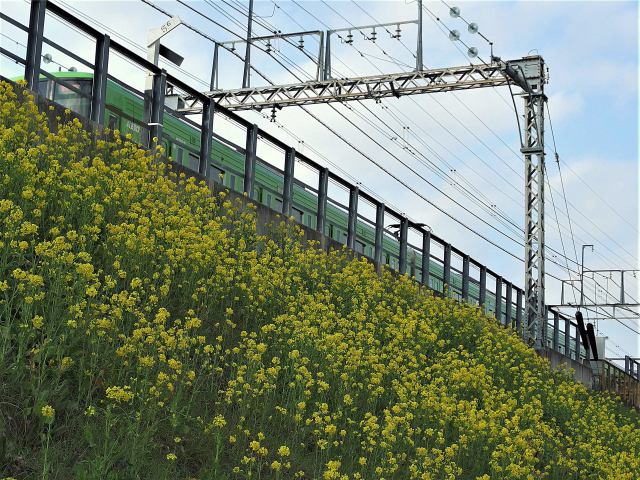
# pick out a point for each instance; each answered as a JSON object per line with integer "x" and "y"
{"x": 397, "y": 35}
{"x": 233, "y": 47}
{"x": 273, "y": 115}
{"x": 473, "y": 28}
{"x": 454, "y": 35}
{"x": 349, "y": 38}
{"x": 472, "y": 52}
{"x": 373, "y": 35}
{"x": 301, "y": 43}
{"x": 47, "y": 58}
{"x": 268, "y": 46}
{"x": 454, "y": 12}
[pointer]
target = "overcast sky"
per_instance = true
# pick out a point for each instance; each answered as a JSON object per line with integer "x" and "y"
{"x": 590, "y": 48}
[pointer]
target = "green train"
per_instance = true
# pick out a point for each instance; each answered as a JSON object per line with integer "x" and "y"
{"x": 181, "y": 140}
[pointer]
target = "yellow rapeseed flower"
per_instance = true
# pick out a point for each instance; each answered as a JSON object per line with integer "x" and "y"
{"x": 48, "y": 412}
{"x": 120, "y": 394}
{"x": 283, "y": 451}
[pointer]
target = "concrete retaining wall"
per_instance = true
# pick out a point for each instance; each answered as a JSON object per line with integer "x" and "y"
{"x": 581, "y": 372}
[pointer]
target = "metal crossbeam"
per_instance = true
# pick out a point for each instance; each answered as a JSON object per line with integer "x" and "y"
{"x": 360, "y": 88}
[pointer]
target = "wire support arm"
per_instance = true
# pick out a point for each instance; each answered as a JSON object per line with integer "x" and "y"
{"x": 360, "y": 88}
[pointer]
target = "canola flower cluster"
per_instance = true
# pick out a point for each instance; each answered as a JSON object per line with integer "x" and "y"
{"x": 148, "y": 331}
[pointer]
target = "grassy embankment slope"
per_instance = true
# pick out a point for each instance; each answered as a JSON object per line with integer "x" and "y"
{"x": 146, "y": 331}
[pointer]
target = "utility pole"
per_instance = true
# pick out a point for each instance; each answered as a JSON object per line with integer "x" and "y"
{"x": 247, "y": 56}
{"x": 531, "y": 78}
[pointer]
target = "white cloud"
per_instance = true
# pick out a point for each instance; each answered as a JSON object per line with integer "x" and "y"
{"x": 566, "y": 105}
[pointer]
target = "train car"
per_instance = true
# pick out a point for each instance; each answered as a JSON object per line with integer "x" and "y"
{"x": 181, "y": 140}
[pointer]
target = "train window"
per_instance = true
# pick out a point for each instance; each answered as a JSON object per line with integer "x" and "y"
{"x": 194, "y": 161}
{"x": 216, "y": 173}
{"x": 359, "y": 247}
{"x": 387, "y": 259}
{"x": 112, "y": 123}
{"x": 177, "y": 153}
{"x": 45, "y": 88}
{"x": 297, "y": 214}
{"x": 308, "y": 220}
{"x": 232, "y": 182}
{"x": 42, "y": 87}
{"x": 278, "y": 204}
{"x": 331, "y": 230}
{"x": 71, "y": 99}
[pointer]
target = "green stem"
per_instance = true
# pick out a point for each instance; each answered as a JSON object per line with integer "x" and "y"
{"x": 45, "y": 467}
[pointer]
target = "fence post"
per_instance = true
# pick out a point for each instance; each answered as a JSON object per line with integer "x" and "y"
{"x": 287, "y": 190}
{"x": 447, "y": 269}
{"x": 353, "y": 217}
{"x": 100, "y": 70}
{"x": 465, "y": 278}
{"x": 483, "y": 287}
{"x": 426, "y": 254}
{"x": 404, "y": 231}
{"x": 34, "y": 44}
{"x": 509, "y": 305}
{"x": 519, "y": 311}
{"x": 157, "y": 107}
{"x": 556, "y": 327}
{"x": 509, "y": 300}
{"x": 250, "y": 160}
{"x": 567, "y": 337}
{"x": 377, "y": 254}
{"x": 498, "y": 311}
{"x": 323, "y": 186}
{"x": 206, "y": 137}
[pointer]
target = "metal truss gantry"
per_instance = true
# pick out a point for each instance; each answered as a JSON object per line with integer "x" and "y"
{"x": 362, "y": 88}
{"x": 620, "y": 306}
{"x": 528, "y": 73}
